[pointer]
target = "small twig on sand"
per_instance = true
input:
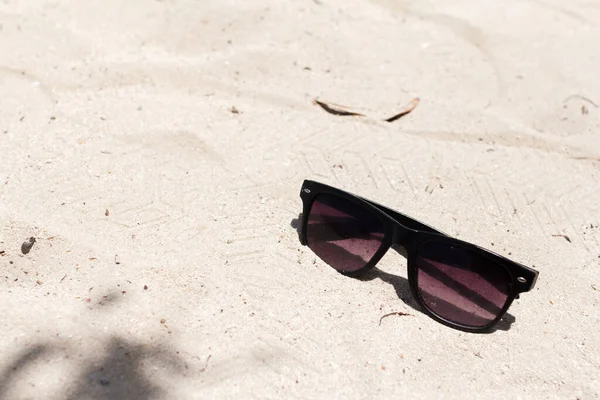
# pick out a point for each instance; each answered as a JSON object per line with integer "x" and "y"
{"x": 578, "y": 96}
{"x": 407, "y": 109}
{"x": 339, "y": 110}
{"x": 398, "y": 313}
{"x": 332, "y": 109}
{"x": 206, "y": 364}
{"x": 568, "y": 239}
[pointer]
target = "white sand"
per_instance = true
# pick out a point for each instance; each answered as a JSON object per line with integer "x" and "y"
{"x": 125, "y": 106}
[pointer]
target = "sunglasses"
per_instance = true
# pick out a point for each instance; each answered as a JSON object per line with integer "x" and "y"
{"x": 456, "y": 283}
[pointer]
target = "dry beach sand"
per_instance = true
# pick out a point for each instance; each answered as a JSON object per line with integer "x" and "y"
{"x": 155, "y": 150}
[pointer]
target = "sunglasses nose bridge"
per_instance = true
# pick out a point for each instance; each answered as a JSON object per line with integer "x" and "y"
{"x": 401, "y": 235}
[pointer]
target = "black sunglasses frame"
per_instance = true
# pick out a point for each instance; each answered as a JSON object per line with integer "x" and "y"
{"x": 405, "y": 231}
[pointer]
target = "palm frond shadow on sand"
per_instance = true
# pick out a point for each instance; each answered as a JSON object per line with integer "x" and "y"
{"x": 118, "y": 373}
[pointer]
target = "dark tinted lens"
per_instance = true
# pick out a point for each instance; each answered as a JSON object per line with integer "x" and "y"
{"x": 460, "y": 285}
{"x": 343, "y": 234}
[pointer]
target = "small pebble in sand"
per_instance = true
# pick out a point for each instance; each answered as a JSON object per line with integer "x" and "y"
{"x": 27, "y": 245}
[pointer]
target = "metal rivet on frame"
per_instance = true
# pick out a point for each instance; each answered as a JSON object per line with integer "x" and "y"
{"x": 521, "y": 280}
{"x": 306, "y": 190}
